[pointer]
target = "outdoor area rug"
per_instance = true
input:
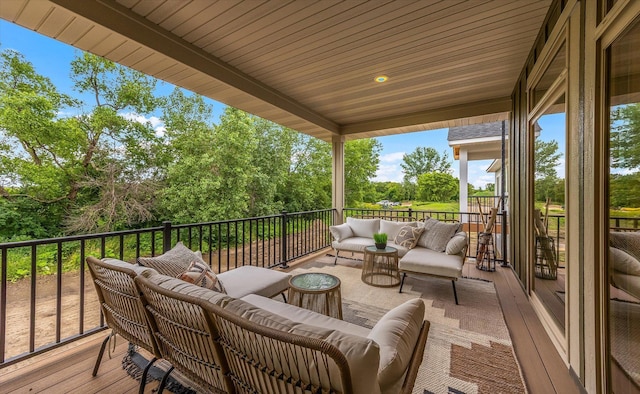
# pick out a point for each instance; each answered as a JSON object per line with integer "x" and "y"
{"x": 468, "y": 350}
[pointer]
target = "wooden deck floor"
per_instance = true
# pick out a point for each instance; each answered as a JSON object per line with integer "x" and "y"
{"x": 69, "y": 370}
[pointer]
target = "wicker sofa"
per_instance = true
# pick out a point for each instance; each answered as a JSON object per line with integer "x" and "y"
{"x": 624, "y": 250}
{"x": 264, "y": 345}
{"x": 429, "y": 247}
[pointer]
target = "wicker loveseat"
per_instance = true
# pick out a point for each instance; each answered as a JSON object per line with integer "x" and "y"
{"x": 429, "y": 247}
{"x": 625, "y": 259}
{"x": 267, "y": 346}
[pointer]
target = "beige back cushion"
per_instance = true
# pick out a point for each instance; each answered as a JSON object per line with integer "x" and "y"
{"x": 627, "y": 241}
{"x": 437, "y": 234}
{"x": 180, "y": 286}
{"x": 397, "y": 333}
{"x": 364, "y": 227}
{"x": 174, "y": 262}
{"x": 363, "y": 355}
{"x": 391, "y": 228}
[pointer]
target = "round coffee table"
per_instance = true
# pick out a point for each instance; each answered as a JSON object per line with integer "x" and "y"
{"x": 317, "y": 292}
{"x": 380, "y": 267}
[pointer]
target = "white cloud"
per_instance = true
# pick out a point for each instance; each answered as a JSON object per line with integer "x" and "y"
{"x": 389, "y": 173}
{"x": 389, "y": 169}
{"x": 160, "y": 130}
{"x": 395, "y": 157}
{"x": 154, "y": 121}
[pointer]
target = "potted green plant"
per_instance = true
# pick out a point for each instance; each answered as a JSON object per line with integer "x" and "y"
{"x": 380, "y": 240}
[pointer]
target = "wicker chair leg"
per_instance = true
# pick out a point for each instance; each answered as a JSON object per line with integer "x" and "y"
{"x": 455, "y": 294}
{"x": 335, "y": 261}
{"x": 164, "y": 381}
{"x": 404, "y": 275}
{"x": 145, "y": 372}
{"x": 100, "y": 353}
{"x": 284, "y": 296}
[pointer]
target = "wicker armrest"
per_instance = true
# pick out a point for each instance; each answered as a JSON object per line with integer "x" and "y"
{"x": 416, "y": 359}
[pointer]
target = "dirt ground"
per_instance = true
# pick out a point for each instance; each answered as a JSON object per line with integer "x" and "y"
{"x": 18, "y": 327}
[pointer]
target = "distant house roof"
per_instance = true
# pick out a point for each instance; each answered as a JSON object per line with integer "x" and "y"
{"x": 483, "y": 130}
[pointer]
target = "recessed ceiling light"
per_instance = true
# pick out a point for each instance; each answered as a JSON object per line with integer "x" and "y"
{"x": 381, "y": 78}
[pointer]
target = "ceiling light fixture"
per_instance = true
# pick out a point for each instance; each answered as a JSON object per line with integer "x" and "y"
{"x": 381, "y": 78}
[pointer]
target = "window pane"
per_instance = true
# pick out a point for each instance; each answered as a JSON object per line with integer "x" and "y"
{"x": 556, "y": 67}
{"x": 624, "y": 211}
{"x": 549, "y": 214}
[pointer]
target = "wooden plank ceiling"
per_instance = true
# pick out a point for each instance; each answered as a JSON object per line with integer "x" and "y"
{"x": 310, "y": 65}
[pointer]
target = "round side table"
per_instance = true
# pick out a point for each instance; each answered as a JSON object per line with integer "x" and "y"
{"x": 380, "y": 267}
{"x": 317, "y": 292}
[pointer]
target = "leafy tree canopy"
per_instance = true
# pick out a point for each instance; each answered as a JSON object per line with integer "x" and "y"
{"x": 625, "y": 137}
{"x": 437, "y": 187}
{"x": 423, "y": 160}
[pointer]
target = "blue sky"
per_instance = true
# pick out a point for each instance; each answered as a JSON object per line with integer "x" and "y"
{"x": 52, "y": 59}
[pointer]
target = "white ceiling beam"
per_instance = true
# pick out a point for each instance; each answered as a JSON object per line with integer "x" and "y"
{"x": 500, "y": 106}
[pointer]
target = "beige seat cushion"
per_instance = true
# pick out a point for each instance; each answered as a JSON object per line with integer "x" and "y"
{"x": 362, "y": 354}
{"x": 427, "y": 261}
{"x": 397, "y": 333}
{"x": 628, "y": 283}
{"x": 249, "y": 279}
{"x": 301, "y": 315}
{"x": 353, "y": 244}
{"x": 401, "y": 249}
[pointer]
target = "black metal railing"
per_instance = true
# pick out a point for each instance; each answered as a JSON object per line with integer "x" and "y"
{"x": 45, "y": 282}
{"x": 474, "y": 203}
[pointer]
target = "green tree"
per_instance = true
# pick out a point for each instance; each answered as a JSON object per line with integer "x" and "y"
{"x": 211, "y": 174}
{"x": 361, "y": 159}
{"x": 272, "y": 161}
{"x": 547, "y": 159}
{"x": 423, "y": 160}
{"x": 57, "y": 152}
{"x": 625, "y": 190}
{"x": 437, "y": 187}
{"x": 307, "y": 185}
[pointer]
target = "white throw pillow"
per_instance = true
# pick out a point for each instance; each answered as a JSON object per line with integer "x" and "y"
{"x": 624, "y": 262}
{"x": 457, "y": 243}
{"x": 341, "y": 231}
{"x": 364, "y": 227}
{"x": 397, "y": 333}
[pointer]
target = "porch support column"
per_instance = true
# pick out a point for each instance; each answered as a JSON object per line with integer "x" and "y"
{"x": 337, "y": 185}
{"x": 464, "y": 194}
